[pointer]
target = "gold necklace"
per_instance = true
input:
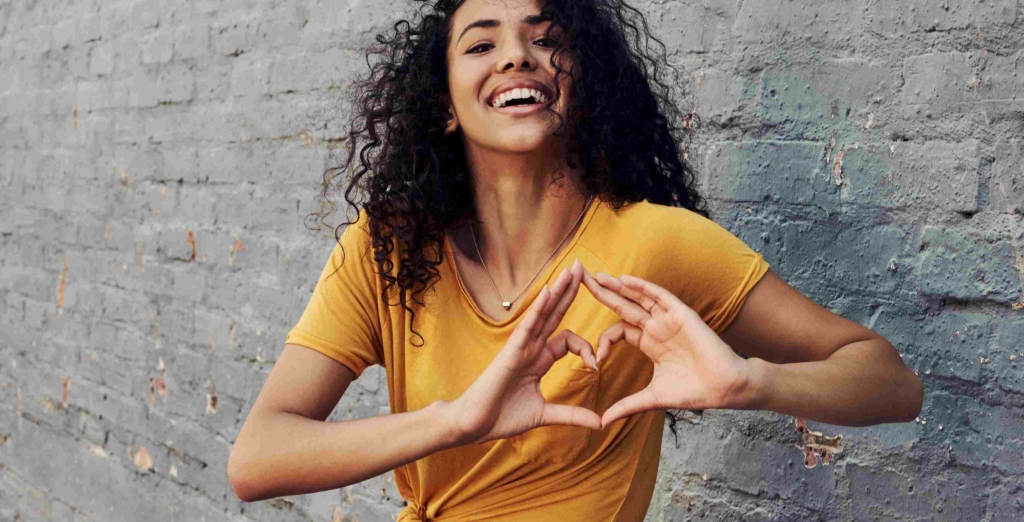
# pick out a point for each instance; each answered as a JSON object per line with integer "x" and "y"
{"x": 508, "y": 304}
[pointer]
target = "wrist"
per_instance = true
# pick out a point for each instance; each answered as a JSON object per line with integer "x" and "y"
{"x": 442, "y": 413}
{"x": 756, "y": 390}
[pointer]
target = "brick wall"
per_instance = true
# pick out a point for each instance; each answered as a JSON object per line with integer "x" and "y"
{"x": 157, "y": 159}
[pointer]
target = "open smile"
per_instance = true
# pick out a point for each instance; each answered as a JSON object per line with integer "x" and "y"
{"x": 520, "y": 97}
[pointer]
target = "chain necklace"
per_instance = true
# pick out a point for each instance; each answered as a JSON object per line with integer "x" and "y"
{"x": 508, "y": 304}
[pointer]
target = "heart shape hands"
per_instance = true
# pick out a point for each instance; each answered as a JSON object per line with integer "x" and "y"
{"x": 693, "y": 367}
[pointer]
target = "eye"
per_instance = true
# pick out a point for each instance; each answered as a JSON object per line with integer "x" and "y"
{"x": 479, "y": 48}
{"x": 546, "y": 42}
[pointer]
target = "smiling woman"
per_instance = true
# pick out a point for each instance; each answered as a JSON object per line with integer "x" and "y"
{"x": 504, "y": 154}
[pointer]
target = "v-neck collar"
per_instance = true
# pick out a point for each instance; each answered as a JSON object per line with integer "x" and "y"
{"x": 537, "y": 284}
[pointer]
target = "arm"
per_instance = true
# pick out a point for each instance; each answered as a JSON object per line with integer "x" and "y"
{"x": 808, "y": 362}
{"x": 286, "y": 448}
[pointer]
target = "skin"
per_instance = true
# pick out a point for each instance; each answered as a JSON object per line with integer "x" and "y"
{"x": 798, "y": 358}
{"x": 513, "y": 159}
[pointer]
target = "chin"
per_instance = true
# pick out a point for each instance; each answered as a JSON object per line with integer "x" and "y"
{"x": 525, "y": 141}
{"x": 524, "y": 145}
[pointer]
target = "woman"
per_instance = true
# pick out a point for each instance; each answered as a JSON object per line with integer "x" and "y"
{"x": 507, "y": 153}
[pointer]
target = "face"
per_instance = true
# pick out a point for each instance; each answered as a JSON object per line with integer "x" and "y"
{"x": 500, "y": 77}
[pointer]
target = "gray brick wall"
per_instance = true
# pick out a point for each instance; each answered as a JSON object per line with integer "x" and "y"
{"x": 871, "y": 150}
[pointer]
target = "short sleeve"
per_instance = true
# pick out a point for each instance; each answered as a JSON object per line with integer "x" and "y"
{"x": 709, "y": 268}
{"x": 341, "y": 319}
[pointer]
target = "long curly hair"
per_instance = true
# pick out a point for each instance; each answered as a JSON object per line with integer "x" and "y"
{"x": 627, "y": 134}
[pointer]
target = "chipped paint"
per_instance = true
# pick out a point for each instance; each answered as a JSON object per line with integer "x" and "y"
{"x": 61, "y": 281}
{"x": 837, "y": 167}
{"x": 65, "y": 383}
{"x": 234, "y": 247}
{"x": 211, "y": 396}
{"x": 158, "y": 386}
{"x": 192, "y": 244}
{"x": 98, "y": 450}
{"x": 142, "y": 460}
{"x": 817, "y": 446}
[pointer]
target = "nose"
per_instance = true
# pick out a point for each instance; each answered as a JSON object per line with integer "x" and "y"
{"x": 516, "y": 56}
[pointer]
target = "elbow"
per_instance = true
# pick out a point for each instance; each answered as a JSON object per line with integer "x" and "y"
{"x": 910, "y": 391}
{"x": 237, "y": 474}
{"x": 915, "y": 395}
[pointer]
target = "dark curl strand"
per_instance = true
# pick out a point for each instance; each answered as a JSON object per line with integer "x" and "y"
{"x": 411, "y": 178}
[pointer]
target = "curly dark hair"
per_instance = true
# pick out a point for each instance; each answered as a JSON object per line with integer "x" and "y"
{"x": 411, "y": 178}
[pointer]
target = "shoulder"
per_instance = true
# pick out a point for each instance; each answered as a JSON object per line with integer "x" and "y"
{"x": 353, "y": 243}
{"x": 651, "y": 228}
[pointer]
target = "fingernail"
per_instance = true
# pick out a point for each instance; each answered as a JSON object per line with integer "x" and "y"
{"x": 576, "y": 263}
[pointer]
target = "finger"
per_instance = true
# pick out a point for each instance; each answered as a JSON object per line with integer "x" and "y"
{"x": 615, "y": 333}
{"x": 558, "y": 287}
{"x": 568, "y": 341}
{"x": 639, "y": 402}
{"x": 627, "y": 309}
{"x": 556, "y": 315}
{"x": 638, "y": 297}
{"x": 530, "y": 326}
{"x": 565, "y": 414}
{"x": 666, "y": 299}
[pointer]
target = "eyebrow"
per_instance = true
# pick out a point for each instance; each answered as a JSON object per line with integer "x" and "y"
{"x": 535, "y": 19}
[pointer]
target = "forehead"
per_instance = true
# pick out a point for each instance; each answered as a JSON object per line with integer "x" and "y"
{"x": 501, "y": 10}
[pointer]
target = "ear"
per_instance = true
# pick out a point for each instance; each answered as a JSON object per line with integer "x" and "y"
{"x": 453, "y": 121}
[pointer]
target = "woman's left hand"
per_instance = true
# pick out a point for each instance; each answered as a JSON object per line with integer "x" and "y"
{"x": 694, "y": 368}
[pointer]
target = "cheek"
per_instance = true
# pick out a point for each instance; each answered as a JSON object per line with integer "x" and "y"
{"x": 464, "y": 87}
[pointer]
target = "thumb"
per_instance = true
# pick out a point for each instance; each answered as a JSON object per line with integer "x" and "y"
{"x": 639, "y": 402}
{"x": 569, "y": 415}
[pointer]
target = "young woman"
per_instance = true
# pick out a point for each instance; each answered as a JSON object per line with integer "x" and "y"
{"x": 505, "y": 153}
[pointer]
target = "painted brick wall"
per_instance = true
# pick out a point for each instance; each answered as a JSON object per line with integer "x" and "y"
{"x": 157, "y": 159}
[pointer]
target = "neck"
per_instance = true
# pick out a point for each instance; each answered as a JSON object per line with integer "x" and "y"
{"x": 521, "y": 215}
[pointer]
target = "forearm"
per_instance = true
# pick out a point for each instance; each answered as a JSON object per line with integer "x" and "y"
{"x": 861, "y": 384}
{"x": 288, "y": 454}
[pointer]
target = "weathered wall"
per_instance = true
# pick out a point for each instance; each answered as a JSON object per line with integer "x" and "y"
{"x": 158, "y": 158}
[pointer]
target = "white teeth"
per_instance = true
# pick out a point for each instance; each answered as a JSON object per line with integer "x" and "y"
{"x": 513, "y": 94}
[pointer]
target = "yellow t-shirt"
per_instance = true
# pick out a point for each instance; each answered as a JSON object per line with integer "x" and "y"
{"x": 555, "y": 473}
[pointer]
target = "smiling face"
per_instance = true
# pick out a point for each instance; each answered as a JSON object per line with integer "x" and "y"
{"x": 500, "y": 77}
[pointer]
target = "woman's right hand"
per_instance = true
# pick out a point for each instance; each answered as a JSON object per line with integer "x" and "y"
{"x": 505, "y": 400}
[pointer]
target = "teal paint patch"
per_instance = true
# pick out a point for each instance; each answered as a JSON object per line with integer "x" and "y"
{"x": 867, "y": 179}
{"x": 750, "y": 88}
{"x": 794, "y": 107}
{"x": 777, "y": 171}
{"x": 967, "y": 267}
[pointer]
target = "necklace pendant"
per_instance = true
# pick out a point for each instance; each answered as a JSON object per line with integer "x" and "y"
{"x": 506, "y": 304}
